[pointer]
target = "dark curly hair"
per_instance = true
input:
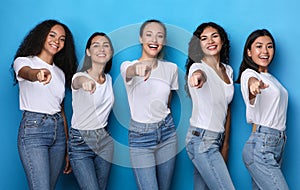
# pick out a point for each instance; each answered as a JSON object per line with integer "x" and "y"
{"x": 195, "y": 53}
{"x": 33, "y": 44}
{"x": 87, "y": 63}
{"x": 247, "y": 61}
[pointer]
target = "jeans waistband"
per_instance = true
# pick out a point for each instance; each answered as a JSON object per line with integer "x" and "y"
{"x": 137, "y": 126}
{"x": 199, "y": 132}
{"x": 268, "y": 130}
{"x": 56, "y": 115}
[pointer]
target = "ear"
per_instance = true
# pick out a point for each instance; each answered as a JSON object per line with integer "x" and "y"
{"x": 141, "y": 40}
{"x": 249, "y": 52}
{"x": 87, "y": 51}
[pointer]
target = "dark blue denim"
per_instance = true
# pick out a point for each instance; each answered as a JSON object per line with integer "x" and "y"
{"x": 153, "y": 148}
{"x": 91, "y": 154}
{"x": 42, "y": 148}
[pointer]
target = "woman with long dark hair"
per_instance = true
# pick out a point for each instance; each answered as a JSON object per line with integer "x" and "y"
{"x": 44, "y": 65}
{"x": 210, "y": 86}
{"x": 266, "y": 108}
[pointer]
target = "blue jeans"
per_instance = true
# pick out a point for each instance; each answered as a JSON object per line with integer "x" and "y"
{"x": 91, "y": 154}
{"x": 153, "y": 148}
{"x": 42, "y": 148}
{"x": 203, "y": 148}
{"x": 262, "y": 156}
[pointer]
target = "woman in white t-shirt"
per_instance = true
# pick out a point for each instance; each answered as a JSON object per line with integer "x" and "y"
{"x": 210, "y": 85}
{"x": 91, "y": 147}
{"x": 266, "y": 107}
{"x": 44, "y": 65}
{"x": 152, "y": 133}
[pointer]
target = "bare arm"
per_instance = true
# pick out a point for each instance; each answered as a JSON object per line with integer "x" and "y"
{"x": 67, "y": 168}
{"x": 84, "y": 82}
{"x": 225, "y": 146}
{"x": 42, "y": 75}
{"x": 255, "y": 86}
{"x": 197, "y": 79}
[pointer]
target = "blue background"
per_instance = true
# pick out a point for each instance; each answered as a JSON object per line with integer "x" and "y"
{"x": 121, "y": 20}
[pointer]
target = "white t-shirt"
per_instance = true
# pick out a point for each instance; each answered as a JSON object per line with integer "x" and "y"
{"x": 270, "y": 107}
{"x": 148, "y": 100}
{"x": 91, "y": 111}
{"x": 210, "y": 103}
{"x": 35, "y": 96}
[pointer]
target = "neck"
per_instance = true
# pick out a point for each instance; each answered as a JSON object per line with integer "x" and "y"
{"x": 213, "y": 61}
{"x": 97, "y": 72}
{"x": 47, "y": 58}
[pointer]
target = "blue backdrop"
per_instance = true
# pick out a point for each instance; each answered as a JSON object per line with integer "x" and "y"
{"x": 121, "y": 20}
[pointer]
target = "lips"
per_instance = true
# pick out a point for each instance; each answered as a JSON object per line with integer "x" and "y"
{"x": 101, "y": 55}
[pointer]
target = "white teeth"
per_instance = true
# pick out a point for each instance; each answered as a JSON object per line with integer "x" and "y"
{"x": 211, "y": 47}
{"x": 153, "y": 46}
{"x": 101, "y": 55}
{"x": 264, "y": 57}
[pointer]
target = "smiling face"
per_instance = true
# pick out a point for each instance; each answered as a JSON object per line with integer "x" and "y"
{"x": 211, "y": 42}
{"x": 55, "y": 41}
{"x": 100, "y": 50}
{"x": 262, "y": 52}
{"x": 152, "y": 39}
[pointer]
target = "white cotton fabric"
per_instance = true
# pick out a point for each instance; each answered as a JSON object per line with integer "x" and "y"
{"x": 210, "y": 103}
{"x": 91, "y": 111}
{"x": 270, "y": 107}
{"x": 148, "y": 100}
{"x": 35, "y": 96}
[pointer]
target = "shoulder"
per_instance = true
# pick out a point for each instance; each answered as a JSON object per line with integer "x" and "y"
{"x": 23, "y": 60}
{"x": 168, "y": 64}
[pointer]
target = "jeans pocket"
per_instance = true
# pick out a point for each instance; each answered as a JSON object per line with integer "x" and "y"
{"x": 248, "y": 153}
{"x": 76, "y": 139}
{"x": 190, "y": 149}
{"x": 34, "y": 122}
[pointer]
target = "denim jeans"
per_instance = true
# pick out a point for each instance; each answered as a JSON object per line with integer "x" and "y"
{"x": 91, "y": 154}
{"x": 203, "y": 148}
{"x": 42, "y": 148}
{"x": 262, "y": 155}
{"x": 153, "y": 148}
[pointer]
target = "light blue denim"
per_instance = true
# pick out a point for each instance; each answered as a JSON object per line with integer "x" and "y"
{"x": 262, "y": 155}
{"x": 153, "y": 149}
{"x": 203, "y": 148}
{"x": 42, "y": 148}
{"x": 91, "y": 154}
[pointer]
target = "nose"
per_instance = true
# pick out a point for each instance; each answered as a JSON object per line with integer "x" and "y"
{"x": 265, "y": 49}
{"x": 211, "y": 40}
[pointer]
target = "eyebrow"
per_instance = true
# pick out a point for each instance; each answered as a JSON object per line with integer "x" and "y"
{"x": 210, "y": 35}
{"x": 56, "y": 33}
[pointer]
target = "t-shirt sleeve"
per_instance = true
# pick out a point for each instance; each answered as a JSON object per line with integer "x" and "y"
{"x": 19, "y": 63}
{"x": 194, "y": 67}
{"x": 174, "y": 82}
{"x": 246, "y": 75}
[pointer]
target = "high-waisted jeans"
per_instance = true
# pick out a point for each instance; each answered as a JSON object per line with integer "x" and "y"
{"x": 262, "y": 156}
{"x": 91, "y": 154}
{"x": 153, "y": 149}
{"x": 203, "y": 148}
{"x": 42, "y": 148}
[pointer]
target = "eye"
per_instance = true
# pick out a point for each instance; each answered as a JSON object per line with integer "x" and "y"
{"x": 270, "y": 46}
{"x": 258, "y": 46}
{"x": 215, "y": 35}
{"x": 52, "y": 35}
{"x": 203, "y": 38}
{"x": 106, "y": 45}
{"x": 63, "y": 39}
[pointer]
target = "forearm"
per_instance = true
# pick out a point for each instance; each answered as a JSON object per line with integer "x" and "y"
{"x": 28, "y": 73}
{"x": 130, "y": 73}
{"x": 77, "y": 82}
